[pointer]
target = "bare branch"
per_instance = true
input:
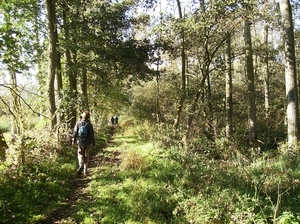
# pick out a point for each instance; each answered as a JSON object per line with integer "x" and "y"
{"x": 18, "y": 94}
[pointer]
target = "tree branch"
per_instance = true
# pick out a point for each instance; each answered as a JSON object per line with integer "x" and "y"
{"x": 29, "y": 106}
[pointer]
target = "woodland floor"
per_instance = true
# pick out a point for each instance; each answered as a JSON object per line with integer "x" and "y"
{"x": 99, "y": 157}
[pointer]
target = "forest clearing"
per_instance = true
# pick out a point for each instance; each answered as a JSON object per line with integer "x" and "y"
{"x": 192, "y": 108}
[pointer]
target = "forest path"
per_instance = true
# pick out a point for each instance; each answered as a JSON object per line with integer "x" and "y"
{"x": 99, "y": 158}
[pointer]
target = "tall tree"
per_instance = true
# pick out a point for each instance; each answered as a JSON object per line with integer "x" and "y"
{"x": 250, "y": 83}
{"x": 71, "y": 60}
{"x": 52, "y": 69}
{"x": 267, "y": 74}
{"x": 183, "y": 75}
{"x": 292, "y": 110}
{"x": 59, "y": 82}
{"x": 11, "y": 57}
{"x": 17, "y": 54}
{"x": 214, "y": 21}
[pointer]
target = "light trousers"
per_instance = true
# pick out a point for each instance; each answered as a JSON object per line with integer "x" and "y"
{"x": 83, "y": 156}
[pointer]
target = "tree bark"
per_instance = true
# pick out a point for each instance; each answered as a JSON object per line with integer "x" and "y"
{"x": 84, "y": 90}
{"x": 50, "y": 8}
{"x": 195, "y": 103}
{"x": 183, "y": 75}
{"x": 267, "y": 75}
{"x": 290, "y": 73}
{"x": 3, "y": 147}
{"x": 250, "y": 82}
{"x": 59, "y": 83}
{"x": 210, "y": 114}
{"x": 228, "y": 100}
{"x": 15, "y": 107}
{"x": 70, "y": 72}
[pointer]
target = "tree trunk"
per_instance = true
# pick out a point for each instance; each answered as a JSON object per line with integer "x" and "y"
{"x": 290, "y": 73}
{"x": 183, "y": 75}
{"x": 3, "y": 147}
{"x": 71, "y": 110}
{"x": 267, "y": 74}
{"x": 157, "y": 107}
{"x": 50, "y": 8}
{"x": 59, "y": 83}
{"x": 228, "y": 87}
{"x": 14, "y": 103}
{"x": 210, "y": 115}
{"x": 158, "y": 113}
{"x": 84, "y": 90}
{"x": 194, "y": 104}
{"x": 72, "y": 86}
{"x": 15, "y": 126}
{"x": 250, "y": 82}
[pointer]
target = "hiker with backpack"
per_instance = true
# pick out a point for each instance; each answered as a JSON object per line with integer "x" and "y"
{"x": 83, "y": 135}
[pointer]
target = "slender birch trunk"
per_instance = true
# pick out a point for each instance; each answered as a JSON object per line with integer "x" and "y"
{"x": 290, "y": 73}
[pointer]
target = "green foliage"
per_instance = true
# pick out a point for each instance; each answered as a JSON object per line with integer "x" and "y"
{"x": 31, "y": 191}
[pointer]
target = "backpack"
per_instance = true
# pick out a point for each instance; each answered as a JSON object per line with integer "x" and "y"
{"x": 82, "y": 132}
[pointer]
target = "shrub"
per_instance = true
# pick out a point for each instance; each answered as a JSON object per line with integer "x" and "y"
{"x": 131, "y": 160}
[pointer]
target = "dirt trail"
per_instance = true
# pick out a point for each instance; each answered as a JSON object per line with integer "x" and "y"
{"x": 99, "y": 157}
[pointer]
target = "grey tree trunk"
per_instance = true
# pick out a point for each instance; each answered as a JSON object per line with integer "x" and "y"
{"x": 250, "y": 82}
{"x": 290, "y": 73}
{"x": 267, "y": 75}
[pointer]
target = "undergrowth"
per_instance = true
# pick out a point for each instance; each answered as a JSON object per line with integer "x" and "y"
{"x": 40, "y": 182}
{"x": 29, "y": 192}
{"x": 142, "y": 181}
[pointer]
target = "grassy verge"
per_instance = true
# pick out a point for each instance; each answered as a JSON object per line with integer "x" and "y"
{"x": 30, "y": 192}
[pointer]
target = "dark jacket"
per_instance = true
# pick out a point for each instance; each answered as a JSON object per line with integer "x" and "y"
{"x": 90, "y": 139}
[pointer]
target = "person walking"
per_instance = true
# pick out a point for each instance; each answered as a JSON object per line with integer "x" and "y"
{"x": 112, "y": 121}
{"x": 83, "y": 136}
